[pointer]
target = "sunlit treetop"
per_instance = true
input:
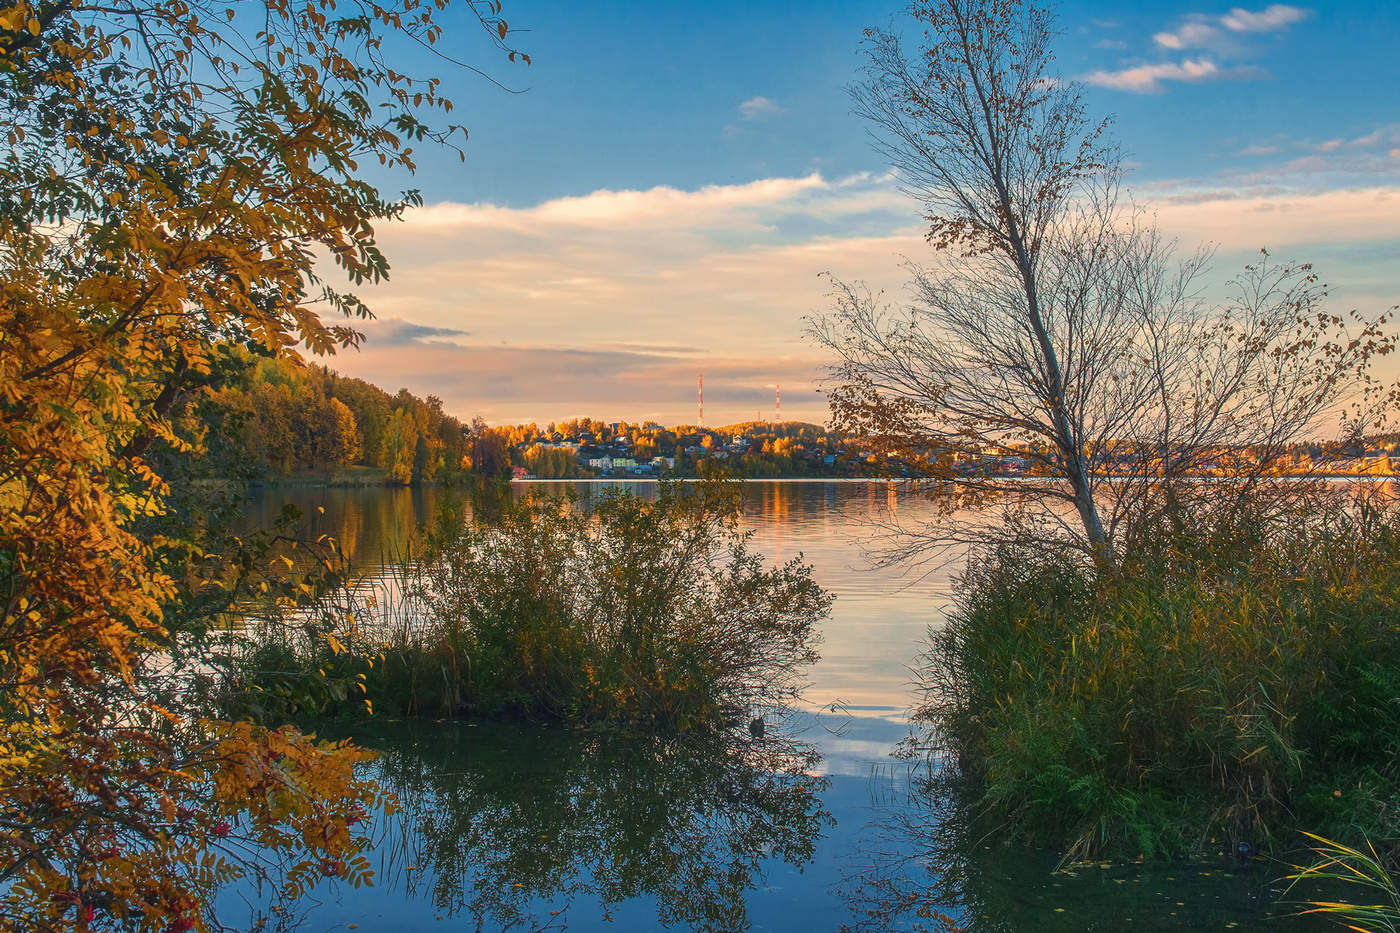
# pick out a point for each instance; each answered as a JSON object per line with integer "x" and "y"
{"x": 217, "y": 142}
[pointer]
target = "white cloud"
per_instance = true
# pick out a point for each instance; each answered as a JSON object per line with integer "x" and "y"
{"x": 1381, "y": 136}
{"x": 1193, "y": 34}
{"x": 1282, "y": 219}
{"x": 1149, "y": 79}
{"x": 1218, "y": 35}
{"x": 1202, "y": 31}
{"x": 628, "y": 208}
{"x": 732, "y": 269}
{"x": 1337, "y": 169}
{"x": 1273, "y": 17}
{"x": 1346, "y": 153}
{"x": 756, "y": 108}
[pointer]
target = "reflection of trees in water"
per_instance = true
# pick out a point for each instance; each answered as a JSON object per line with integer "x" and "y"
{"x": 914, "y": 871}
{"x": 930, "y": 867}
{"x": 370, "y": 524}
{"x": 510, "y": 825}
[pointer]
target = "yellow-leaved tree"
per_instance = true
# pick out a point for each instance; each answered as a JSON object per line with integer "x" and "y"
{"x": 172, "y": 171}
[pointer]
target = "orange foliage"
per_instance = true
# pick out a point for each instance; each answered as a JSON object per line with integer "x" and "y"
{"x": 171, "y": 172}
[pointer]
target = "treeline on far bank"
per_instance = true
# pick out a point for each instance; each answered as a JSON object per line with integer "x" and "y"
{"x": 260, "y": 418}
{"x": 256, "y": 418}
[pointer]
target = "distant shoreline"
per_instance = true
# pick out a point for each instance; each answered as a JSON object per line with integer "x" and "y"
{"x": 314, "y": 483}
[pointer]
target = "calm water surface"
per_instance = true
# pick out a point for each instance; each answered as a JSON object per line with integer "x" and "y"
{"x": 818, "y": 827}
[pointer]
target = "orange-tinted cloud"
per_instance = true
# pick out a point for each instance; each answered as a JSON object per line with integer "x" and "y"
{"x": 611, "y": 303}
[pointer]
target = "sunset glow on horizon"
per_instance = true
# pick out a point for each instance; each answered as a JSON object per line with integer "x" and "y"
{"x": 637, "y": 217}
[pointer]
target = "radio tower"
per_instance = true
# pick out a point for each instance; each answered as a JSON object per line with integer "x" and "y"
{"x": 777, "y": 404}
{"x": 702, "y": 400}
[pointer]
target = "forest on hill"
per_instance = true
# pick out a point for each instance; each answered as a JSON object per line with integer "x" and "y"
{"x": 257, "y": 418}
{"x": 264, "y": 418}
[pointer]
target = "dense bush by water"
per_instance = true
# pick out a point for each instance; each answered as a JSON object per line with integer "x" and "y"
{"x": 637, "y": 611}
{"x": 1225, "y": 692}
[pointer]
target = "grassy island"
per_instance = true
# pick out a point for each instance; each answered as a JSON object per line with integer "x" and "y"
{"x": 638, "y": 611}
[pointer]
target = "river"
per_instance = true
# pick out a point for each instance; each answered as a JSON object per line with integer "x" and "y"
{"x": 821, "y": 826}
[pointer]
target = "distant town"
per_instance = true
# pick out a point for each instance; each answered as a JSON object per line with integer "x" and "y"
{"x": 585, "y": 448}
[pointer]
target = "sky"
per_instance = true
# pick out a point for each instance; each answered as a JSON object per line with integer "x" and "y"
{"x": 664, "y": 189}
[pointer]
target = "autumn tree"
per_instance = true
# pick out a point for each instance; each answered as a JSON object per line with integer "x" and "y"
{"x": 1053, "y": 322}
{"x": 173, "y": 168}
{"x": 488, "y": 451}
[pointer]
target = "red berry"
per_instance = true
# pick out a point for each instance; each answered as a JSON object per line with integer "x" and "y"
{"x": 221, "y": 828}
{"x": 331, "y": 867}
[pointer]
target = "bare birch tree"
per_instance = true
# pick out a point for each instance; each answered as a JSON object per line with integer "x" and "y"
{"x": 1055, "y": 322}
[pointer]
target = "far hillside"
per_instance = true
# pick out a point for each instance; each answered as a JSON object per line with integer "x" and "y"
{"x": 265, "y": 419}
{"x": 260, "y": 419}
{"x": 591, "y": 447}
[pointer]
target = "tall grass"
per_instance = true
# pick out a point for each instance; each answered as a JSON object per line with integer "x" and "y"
{"x": 1216, "y": 692}
{"x": 1364, "y": 870}
{"x": 637, "y": 610}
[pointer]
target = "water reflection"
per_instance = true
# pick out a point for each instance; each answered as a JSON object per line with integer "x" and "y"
{"x": 371, "y": 524}
{"x": 514, "y": 828}
{"x": 928, "y": 867}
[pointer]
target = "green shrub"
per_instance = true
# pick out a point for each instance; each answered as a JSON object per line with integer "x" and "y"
{"x": 1178, "y": 703}
{"x": 638, "y": 610}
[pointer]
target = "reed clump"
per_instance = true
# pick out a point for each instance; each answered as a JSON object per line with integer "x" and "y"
{"x": 643, "y": 611}
{"x": 1224, "y": 690}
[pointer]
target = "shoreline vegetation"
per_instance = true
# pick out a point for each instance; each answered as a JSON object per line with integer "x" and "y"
{"x": 1222, "y": 693}
{"x": 175, "y": 187}
{"x": 374, "y": 480}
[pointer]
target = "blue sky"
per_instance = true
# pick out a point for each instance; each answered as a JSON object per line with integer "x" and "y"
{"x": 659, "y": 198}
